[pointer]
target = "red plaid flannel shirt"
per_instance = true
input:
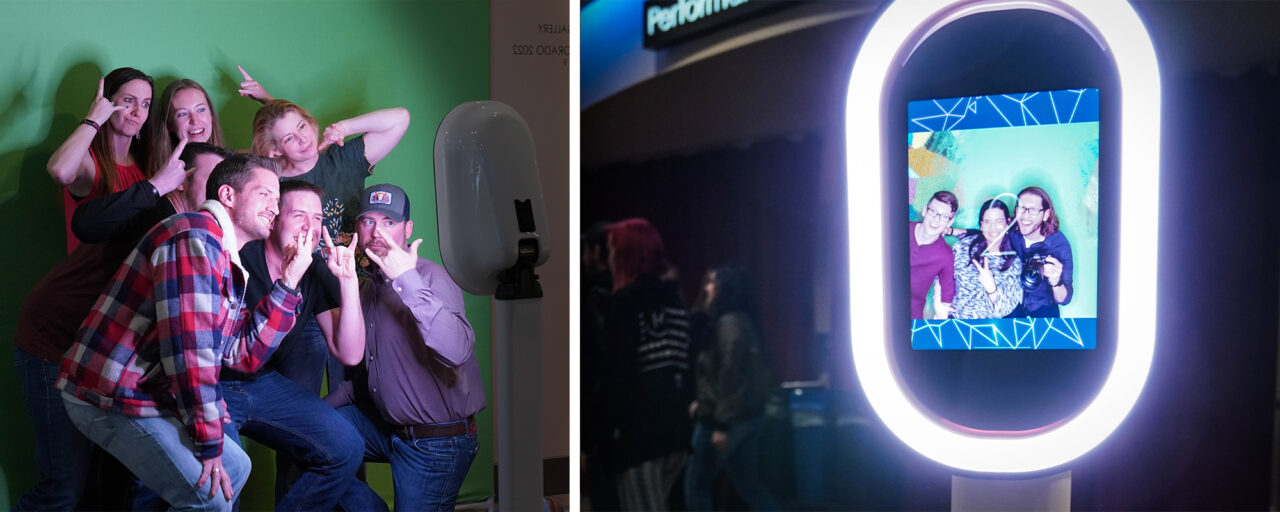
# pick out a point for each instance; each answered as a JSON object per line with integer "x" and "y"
{"x": 170, "y": 319}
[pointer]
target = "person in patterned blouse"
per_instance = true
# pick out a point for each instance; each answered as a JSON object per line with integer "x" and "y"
{"x": 987, "y": 269}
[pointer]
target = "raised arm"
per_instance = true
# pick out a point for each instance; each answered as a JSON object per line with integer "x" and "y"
{"x": 118, "y": 216}
{"x": 382, "y": 130}
{"x": 71, "y": 164}
{"x": 343, "y": 326}
{"x": 256, "y": 338}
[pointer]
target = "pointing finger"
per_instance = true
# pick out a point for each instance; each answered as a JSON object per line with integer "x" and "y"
{"x": 100, "y": 81}
{"x": 413, "y": 248}
{"x": 387, "y": 239}
{"x": 245, "y": 73}
{"x": 177, "y": 151}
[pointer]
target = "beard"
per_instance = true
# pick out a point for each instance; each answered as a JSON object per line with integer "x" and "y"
{"x": 251, "y": 224}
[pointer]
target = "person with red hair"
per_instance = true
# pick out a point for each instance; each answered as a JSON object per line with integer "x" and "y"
{"x": 648, "y": 380}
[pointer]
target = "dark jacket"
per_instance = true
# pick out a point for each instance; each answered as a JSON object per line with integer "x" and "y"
{"x": 648, "y": 383}
{"x": 733, "y": 383}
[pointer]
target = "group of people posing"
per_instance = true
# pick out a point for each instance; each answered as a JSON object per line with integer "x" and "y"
{"x": 1015, "y": 265}
{"x": 206, "y": 290}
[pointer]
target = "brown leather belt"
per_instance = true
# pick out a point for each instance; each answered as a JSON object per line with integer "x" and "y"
{"x": 434, "y": 430}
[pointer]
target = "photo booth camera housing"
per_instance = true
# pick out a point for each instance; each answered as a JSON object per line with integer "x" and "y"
{"x": 955, "y": 407}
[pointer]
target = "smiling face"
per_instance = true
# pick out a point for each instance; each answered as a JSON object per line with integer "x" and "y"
{"x": 993, "y": 225}
{"x": 371, "y": 239}
{"x": 1031, "y": 214}
{"x": 937, "y": 217}
{"x": 256, "y": 205}
{"x": 191, "y": 116}
{"x": 299, "y": 213}
{"x": 294, "y": 137}
{"x": 136, "y": 95}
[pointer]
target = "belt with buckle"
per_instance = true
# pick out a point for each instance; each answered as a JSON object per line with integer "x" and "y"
{"x": 434, "y": 430}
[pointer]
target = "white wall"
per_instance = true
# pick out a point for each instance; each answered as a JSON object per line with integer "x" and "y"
{"x": 529, "y": 70}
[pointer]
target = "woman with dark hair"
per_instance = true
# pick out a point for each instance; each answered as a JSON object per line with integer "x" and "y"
{"x": 987, "y": 269}
{"x": 1045, "y": 254}
{"x": 100, "y": 156}
{"x": 648, "y": 385}
{"x": 732, "y": 388}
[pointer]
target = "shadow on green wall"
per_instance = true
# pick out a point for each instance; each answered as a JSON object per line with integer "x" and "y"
{"x": 32, "y": 203}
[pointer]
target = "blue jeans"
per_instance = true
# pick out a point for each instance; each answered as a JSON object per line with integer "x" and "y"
{"x": 160, "y": 452}
{"x": 62, "y": 452}
{"x": 740, "y": 460}
{"x": 305, "y": 365}
{"x": 426, "y": 473}
{"x": 279, "y": 413}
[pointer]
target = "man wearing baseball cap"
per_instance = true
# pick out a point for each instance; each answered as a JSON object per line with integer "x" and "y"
{"x": 415, "y": 405}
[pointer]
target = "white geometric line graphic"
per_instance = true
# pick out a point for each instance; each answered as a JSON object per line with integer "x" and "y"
{"x": 991, "y": 334}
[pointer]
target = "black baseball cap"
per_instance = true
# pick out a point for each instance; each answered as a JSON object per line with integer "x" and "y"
{"x": 386, "y": 199}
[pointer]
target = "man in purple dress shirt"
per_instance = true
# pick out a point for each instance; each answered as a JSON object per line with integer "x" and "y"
{"x": 416, "y": 402}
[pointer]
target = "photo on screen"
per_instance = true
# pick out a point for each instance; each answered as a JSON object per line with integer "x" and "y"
{"x": 1003, "y": 219}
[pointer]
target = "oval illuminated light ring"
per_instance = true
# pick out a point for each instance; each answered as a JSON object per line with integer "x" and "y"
{"x": 1116, "y": 27}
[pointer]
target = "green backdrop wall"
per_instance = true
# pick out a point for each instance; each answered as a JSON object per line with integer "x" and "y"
{"x": 336, "y": 58}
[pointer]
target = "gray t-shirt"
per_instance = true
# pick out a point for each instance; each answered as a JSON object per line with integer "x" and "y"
{"x": 340, "y": 172}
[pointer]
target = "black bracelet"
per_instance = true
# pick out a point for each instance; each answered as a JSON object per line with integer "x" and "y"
{"x": 287, "y": 288}
{"x": 91, "y": 122}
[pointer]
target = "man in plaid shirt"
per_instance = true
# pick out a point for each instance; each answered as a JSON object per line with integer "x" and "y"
{"x": 142, "y": 378}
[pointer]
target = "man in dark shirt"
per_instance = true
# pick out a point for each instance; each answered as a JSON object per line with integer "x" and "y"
{"x": 274, "y": 409}
{"x": 415, "y": 406}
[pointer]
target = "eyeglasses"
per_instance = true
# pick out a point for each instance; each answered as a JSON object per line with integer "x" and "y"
{"x": 1028, "y": 211}
{"x": 929, "y": 211}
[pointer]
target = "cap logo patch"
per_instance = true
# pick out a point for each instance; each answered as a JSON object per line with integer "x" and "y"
{"x": 380, "y": 197}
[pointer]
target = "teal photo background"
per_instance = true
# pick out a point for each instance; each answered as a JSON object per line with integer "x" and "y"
{"x": 1060, "y": 158}
{"x": 336, "y": 58}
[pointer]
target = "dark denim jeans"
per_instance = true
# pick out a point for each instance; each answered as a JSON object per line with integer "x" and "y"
{"x": 425, "y": 473}
{"x": 740, "y": 460}
{"x": 305, "y": 365}
{"x": 62, "y": 452}
{"x": 279, "y": 413}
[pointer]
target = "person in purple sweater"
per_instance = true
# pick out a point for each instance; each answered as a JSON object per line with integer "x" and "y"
{"x": 931, "y": 257}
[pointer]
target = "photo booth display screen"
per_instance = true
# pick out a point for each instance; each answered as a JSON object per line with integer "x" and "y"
{"x": 1003, "y": 194}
